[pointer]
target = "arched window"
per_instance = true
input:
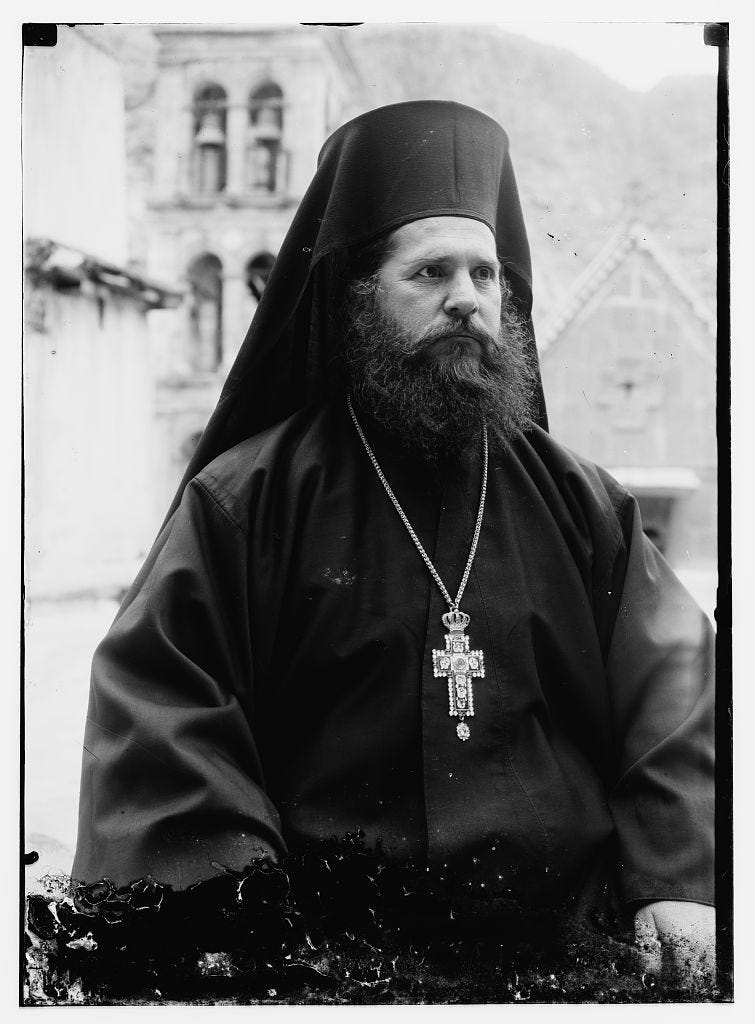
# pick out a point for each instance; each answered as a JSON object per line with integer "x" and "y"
{"x": 264, "y": 140}
{"x": 210, "y": 153}
{"x": 205, "y": 278}
{"x": 257, "y": 272}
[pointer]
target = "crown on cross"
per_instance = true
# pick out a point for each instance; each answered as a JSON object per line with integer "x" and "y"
{"x": 455, "y": 621}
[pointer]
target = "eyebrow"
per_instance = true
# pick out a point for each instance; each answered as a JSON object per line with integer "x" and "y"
{"x": 444, "y": 257}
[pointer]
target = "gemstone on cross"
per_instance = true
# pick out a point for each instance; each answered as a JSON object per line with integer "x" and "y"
{"x": 459, "y": 665}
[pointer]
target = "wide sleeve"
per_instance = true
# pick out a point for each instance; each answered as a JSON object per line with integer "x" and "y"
{"x": 172, "y": 784}
{"x": 662, "y": 692}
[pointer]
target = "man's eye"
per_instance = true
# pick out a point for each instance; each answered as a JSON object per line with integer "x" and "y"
{"x": 431, "y": 271}
{"x": 486, "y": 274}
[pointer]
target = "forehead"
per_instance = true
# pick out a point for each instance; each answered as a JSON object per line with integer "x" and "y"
{"x": 442, "y": 235}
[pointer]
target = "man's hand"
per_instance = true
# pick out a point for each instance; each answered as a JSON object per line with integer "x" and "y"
{"x": 679, "y": 935}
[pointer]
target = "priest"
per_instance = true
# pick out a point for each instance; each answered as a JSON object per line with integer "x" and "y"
{"x": 386, "y": 599}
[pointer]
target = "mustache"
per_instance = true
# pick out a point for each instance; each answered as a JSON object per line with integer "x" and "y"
{"x": 457, "y": 330}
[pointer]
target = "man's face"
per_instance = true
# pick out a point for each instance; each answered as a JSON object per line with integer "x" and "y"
{"x": 442, "y": 272}
{"x": 429, "y": 348}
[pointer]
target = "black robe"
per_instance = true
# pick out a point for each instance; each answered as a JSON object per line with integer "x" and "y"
{"x": 268, "y": 680}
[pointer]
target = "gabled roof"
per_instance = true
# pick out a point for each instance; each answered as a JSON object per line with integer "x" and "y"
{"x": 629, "y": 237}
{"x": 65, "y": 267}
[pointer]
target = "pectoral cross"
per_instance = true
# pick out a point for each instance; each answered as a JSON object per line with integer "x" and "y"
{"x": 459, "y": 665}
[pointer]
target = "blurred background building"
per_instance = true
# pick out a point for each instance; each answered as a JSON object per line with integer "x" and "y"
{"x": 629, "y": 364}
{"x": 89, "y": 389}
{"x": 243, "y": 113}
{"x": 162, "y": 167}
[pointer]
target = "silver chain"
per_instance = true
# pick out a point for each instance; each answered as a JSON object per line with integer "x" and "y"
{"x": 453, "y": 605}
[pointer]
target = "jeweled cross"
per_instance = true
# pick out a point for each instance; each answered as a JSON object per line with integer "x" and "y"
{"x": 459, "y": 665}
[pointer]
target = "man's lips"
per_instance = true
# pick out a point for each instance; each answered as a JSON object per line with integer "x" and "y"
{"x": 449, "y": 341}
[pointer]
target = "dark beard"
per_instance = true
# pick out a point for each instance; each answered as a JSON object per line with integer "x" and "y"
{"x": 437, "y": 407}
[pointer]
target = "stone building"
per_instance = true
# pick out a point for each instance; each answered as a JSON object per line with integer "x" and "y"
{"x": 241, "y": 113}
{"x": 88, "y": 383}
{"x": 629, "y": 370}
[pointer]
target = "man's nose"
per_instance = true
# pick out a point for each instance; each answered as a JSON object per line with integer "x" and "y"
{"x": 461, "y": 299}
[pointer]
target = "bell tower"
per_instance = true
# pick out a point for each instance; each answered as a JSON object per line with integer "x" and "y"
{"x": 242, "y": 112}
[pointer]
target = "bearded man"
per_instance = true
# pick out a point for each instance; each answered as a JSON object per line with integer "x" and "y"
{"x": 387, "y": 599}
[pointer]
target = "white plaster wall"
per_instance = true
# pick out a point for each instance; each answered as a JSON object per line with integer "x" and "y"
{"x": 74, "y": 160}
{"x": 88, "y": 419}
